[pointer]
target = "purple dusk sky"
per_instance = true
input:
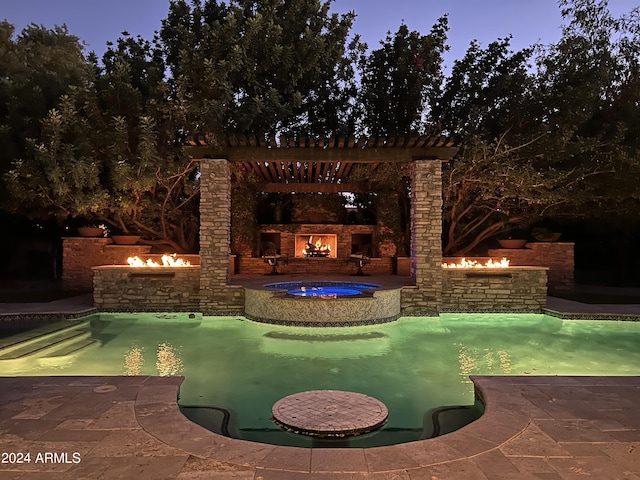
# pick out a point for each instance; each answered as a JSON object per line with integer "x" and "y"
{"x": 486, "y": 20}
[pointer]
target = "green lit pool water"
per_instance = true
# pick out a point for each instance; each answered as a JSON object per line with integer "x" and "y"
{"x": 236, "y": 369}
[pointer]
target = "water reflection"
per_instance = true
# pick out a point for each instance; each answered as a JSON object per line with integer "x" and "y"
{"x": 133, "y": 361}
{"x": 482, "y": 362}
{"x": 168, "y": 361}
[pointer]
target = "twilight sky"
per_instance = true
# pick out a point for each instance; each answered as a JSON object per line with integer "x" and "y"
{"x": 97, "y": 22}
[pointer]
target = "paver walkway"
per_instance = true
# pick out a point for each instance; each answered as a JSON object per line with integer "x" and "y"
{"x": 552, "y": 428}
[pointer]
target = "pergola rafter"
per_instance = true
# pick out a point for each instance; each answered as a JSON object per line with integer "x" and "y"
{"x": 308, "y": 163}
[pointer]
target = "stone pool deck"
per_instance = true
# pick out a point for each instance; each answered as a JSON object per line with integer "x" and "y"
{"x": 130, "y": 427}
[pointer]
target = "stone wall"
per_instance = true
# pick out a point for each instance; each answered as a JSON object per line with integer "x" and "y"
{"x": 522, "y": 289}
{"x": 81, "y": 254}
{"x": 426, "y": 241}
{"x": 273, "y": 306}
{"x": 248, "y": 264}
{"x": 127, "y": 289}
{"x": 344, "y": 233}
{"x": 556, "y": 256}
{"x": 287, "y": 234}
{"x": 217, "y": 296}
{"x": 316, "y": 266}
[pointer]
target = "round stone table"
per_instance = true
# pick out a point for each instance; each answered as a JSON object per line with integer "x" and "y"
{"x": 329, "y": 413}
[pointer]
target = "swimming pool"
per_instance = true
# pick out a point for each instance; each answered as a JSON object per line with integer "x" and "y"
{"x": 418, "y": 367}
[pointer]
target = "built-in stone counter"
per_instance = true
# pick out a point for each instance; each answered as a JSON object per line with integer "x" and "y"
{"x": 513, "y": 289}
{"x": 118, "y": 288}
{"x": 273, "y": 306}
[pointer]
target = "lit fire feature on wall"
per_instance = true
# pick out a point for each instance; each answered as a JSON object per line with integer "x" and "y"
{"x": 167, "y": 261}
{"x": 316, "y": 246}
{"x": 464, "y": 263}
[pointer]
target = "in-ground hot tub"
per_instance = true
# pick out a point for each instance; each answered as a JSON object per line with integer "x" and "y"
{"x": 325, "y": 289}
{"x": 323, "y": 303}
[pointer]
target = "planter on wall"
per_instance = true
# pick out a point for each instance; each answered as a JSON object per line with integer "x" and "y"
{"x": 512, "y": 243}
{"x": 548, "y": 237}
{"x": 125, "y": 239}
{"x": 90, "y": 232}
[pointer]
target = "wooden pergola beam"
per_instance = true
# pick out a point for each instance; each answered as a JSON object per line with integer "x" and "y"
{"x": 313, "y": 187}
{"x": 354, "y": 155}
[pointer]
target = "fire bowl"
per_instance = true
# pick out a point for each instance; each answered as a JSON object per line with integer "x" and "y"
{"x": 515, "y": 243}
{"x": 125, "y": 239}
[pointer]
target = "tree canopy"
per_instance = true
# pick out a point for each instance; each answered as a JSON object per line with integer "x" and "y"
{"x": 550, "y": 130}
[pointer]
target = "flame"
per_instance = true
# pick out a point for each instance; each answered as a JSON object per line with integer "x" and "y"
{"x": 464, "y": 263}
{"x": 318, "y": 247}
{"x": 167, "y": 261}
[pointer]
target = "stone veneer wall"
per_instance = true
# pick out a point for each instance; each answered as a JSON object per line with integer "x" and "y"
{"x": 216, "y": 295}
{"x": 273, "y": 306}
{"x": 510, "y": 290}
{"x": 344, "y": 232}
{"x": 127, "y": 289}
{"x": 557, "y": 256}
{"x": 426, "y": 242}
{"x": 316, "y": 266}
{"x": 81, "y": 254}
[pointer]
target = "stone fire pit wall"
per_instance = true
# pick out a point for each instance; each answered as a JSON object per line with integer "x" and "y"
{"x": 163, "y": 289}
{"x": 515, "y": 289}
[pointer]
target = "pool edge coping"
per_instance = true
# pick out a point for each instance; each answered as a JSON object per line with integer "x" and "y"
{"x": 158, "y": 413}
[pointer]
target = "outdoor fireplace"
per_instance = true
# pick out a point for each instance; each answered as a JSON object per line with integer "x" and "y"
{"x": 317, "y": 245}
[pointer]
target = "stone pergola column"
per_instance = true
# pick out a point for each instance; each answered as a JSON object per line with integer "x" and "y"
{"x": 426, "y": 239}
{"x": 216, "y": 296}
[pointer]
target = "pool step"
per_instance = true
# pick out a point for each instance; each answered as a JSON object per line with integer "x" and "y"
{"x": 52, "y": 341}
{"x": 33, "y": 334}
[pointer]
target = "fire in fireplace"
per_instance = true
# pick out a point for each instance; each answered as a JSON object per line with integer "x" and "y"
{"x": 316, "y": 246}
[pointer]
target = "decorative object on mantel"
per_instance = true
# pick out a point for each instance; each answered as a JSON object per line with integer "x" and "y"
{"x": 512, "y": 242}
{"x": 125, "y": 239}
{"x": 92, "y": 231}
{"x": 545, "y": 235}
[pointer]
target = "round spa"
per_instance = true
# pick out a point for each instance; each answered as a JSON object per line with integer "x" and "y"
{"x": 322, "y": 303}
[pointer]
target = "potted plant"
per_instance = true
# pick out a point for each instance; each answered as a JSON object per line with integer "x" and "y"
{"x": 125, "y": 239}
{"x": 512, "y": 242}
{"x": 515, "y": 238}
{"x": 93, "y": 231}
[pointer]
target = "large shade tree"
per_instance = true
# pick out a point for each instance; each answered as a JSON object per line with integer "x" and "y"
{"x": 108, "y": 154}
{"x": 545, "y": 141}
{"x": 401, "y": 80}
{"x": 489, "y": 186}
{"x": 260, "y": 66}
{"x": 37, "y": 66}
{"x": 110, "y": 149}
{"x": 559, "y": 137}
{"x": 400, "y": 85}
